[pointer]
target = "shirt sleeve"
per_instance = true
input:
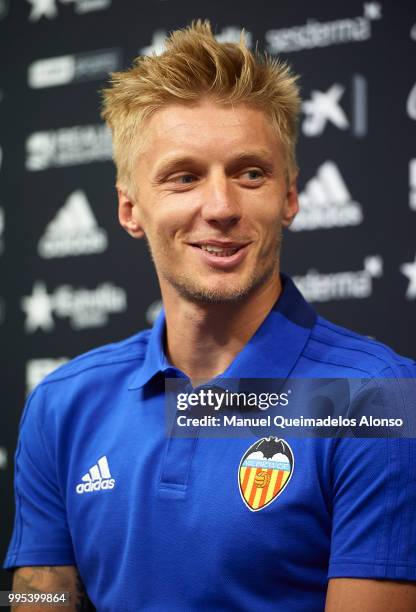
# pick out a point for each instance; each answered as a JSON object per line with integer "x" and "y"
{"x": 40, "y": 534}
{"x": 374, "y": 506}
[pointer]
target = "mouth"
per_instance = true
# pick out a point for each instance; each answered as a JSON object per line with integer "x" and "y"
{"x": 219, "y": 249}
{"x": 223, "y": 255}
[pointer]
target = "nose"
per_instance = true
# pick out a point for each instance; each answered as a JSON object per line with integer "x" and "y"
{"x": 220, "y": 206}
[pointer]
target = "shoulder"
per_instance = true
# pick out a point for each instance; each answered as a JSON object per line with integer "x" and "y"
{"x": 83, "y": 385}
{"x": 106, "y": 359}
{"x": 340, "y": 346}
{"x": 78, "y": 396}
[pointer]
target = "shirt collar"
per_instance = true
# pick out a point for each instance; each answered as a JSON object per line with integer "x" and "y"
{"x": 272, "y": 352}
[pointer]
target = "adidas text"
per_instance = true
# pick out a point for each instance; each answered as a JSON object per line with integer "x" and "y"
{"x": 99, "y": 485}
{"x": 98, "y": 478}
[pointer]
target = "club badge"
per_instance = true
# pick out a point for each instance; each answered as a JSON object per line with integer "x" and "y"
{"x": 264, "y": 472}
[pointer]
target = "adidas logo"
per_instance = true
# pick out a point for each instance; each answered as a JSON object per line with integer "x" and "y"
{"x": 98, "y": 478}
{"x": 73, "y": 231}
{"x": 326, "y": 202}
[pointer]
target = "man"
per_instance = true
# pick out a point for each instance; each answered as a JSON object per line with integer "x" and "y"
{"x": 204, "y": 143}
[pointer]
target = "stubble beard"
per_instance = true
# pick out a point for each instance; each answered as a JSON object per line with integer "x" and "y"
{"x": 192, "y": 291}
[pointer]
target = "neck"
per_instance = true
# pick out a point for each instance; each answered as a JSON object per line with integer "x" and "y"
{"x": 203, "y": 339}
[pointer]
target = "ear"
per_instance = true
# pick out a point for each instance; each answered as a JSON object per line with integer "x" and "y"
{"x": 291, "y": 207}
{"x": 128, "y": 213}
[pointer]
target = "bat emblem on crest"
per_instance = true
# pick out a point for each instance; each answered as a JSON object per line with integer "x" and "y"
{"x": 264, "y": 471}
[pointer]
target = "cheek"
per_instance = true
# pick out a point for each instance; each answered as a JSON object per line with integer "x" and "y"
{"x": 269, "y": 221}
{"x": 174, "y": 222}
{"x": 163, "y": 229}
{"x": 268, "y": 205}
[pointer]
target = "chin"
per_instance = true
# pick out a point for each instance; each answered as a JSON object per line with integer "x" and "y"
{"x": 214, "y": 296}
{"x": 224, "y": 293}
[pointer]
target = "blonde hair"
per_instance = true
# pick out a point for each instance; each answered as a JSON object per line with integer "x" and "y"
{"x": 196, "y": 66}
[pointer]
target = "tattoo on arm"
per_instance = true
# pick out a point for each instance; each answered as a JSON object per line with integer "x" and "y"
{"x": 39, "y": 579}
{"x": 82, "y": 603}
{"x": 44, "y": 579}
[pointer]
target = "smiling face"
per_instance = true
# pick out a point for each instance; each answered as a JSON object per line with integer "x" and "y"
{"x": 211, "y": 197}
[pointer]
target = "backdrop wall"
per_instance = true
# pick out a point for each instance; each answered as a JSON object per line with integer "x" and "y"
{"x": 71, "y": 279}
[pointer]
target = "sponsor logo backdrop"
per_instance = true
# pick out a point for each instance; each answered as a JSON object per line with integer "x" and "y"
{"x": 72, "y": 279}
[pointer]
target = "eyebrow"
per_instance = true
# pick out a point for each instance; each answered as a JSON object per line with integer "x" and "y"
{"x": 170, "y": 165}
{"x": 254, "y": 157}
{"x": 260, "y": 156}
{"x": 254, "y": 154}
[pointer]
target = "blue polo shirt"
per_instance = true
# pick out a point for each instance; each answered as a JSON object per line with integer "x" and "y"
{"x": 156, "y": 523}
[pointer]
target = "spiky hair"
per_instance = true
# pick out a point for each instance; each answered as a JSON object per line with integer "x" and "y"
{"x": 195, "y": 66}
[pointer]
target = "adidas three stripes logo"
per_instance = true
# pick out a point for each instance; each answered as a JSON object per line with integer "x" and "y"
{"x": 98, "y": 478}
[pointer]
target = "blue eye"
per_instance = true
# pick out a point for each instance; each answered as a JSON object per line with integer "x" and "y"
{"x": 254, "y": 174}
{"x": 185, "y": 179}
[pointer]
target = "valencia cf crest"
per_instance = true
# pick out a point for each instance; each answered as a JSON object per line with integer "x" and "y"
{"x": 264, "y": 472}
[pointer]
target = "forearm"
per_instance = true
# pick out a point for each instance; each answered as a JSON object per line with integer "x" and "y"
{"x": 51, "y": 579}
{"x": 362, "y": 595}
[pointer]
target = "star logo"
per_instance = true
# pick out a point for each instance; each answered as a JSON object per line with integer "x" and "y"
{"x": 372, "y": 10}
{"x": 409, "y": 270}
{"x": 38, "y": 308}
{"x": 42, "y": 8}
